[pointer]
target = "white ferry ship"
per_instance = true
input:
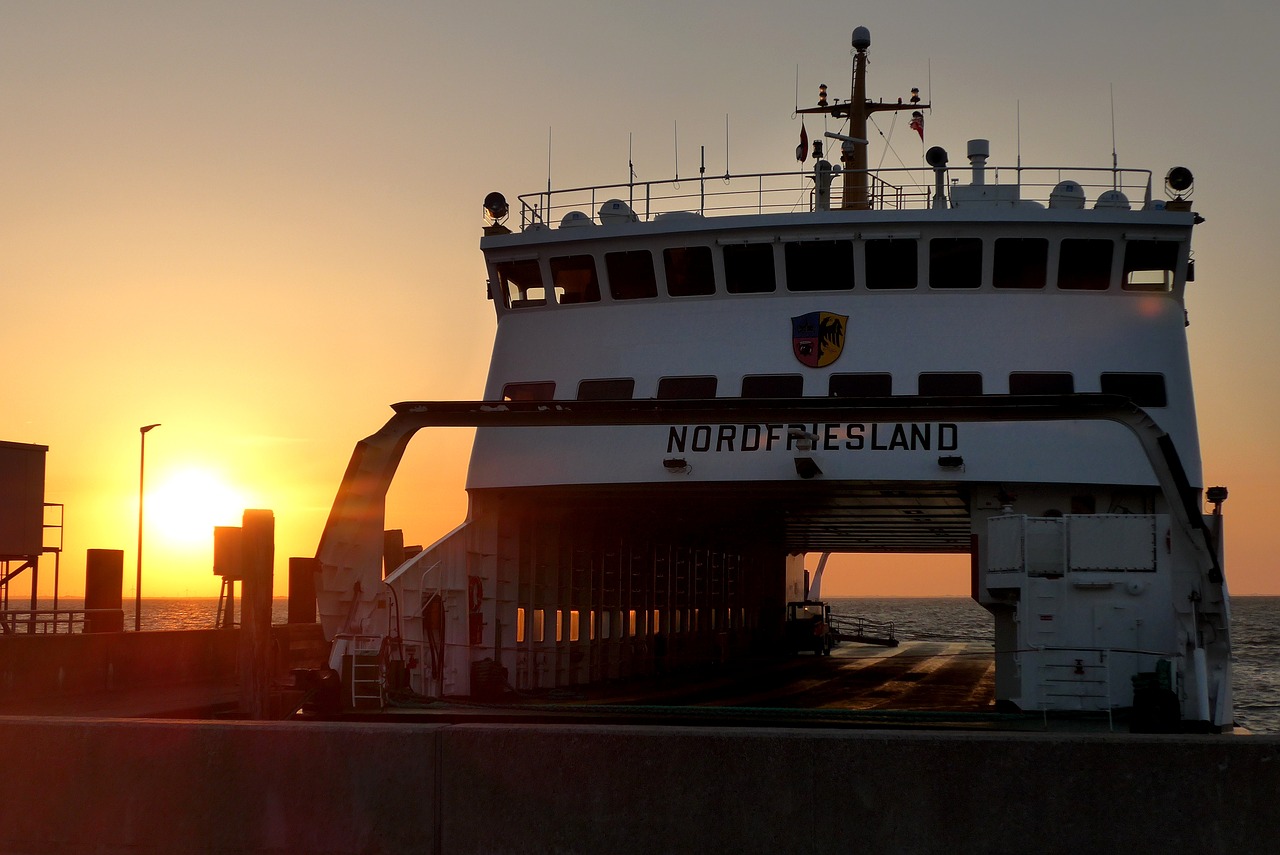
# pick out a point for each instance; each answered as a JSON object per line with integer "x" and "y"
{"x": 694, "y": 385}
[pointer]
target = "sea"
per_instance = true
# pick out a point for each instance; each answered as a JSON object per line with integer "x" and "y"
{"x": 1255, "y": 623}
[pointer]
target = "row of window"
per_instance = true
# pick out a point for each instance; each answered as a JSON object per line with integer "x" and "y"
{"x": 1077, "y": 264}
{"x": 1145, "y": 390}
{"x": 619, "y": 623}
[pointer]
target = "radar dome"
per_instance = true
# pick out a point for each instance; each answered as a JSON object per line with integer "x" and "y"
{"x": 1068, "y": 195}
{"x": 861, "y": 38}
{"x": 616, "y": 211}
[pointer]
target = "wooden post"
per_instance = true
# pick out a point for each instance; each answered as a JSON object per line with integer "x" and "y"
{"x": 302, "y": 589}
{"x": 104, "y": 590}
{"x": 257, "y": 557}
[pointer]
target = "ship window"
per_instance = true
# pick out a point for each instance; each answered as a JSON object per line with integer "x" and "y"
{"x": 1149, "y": 264}
{"x": 955, "y": 262}
{"x": 631, "y": 275}
{"x": 539, "y": 625}
{"x": 748, "y": 268}
{"x": 1020, "y": 263}
{"x": 819, "y": 265}
{"x": 604, "y": 623}
{"x": 575, "y": 627}
{"x": 606, "y": 390}
{"x": 544, "y": 391}
{"x": 520, "y": 626}
{"x": 944, "y": 383}
{"x": 1084, "y": 265}
{"x": 1145, "y": 390}
{"x": 687, "y": 387}
{"x": 1041, "y": 383}
{"x": 575, "y": 280}
{"x": 860, "y": 385}
{"x": 772, "y": 386}
{"x": 891, "y": 263}
{"x": 521, "y": 284}
{"x": 689, "y": 271}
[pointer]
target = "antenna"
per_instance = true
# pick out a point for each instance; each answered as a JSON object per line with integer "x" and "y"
{"x": 1115, "y": 163}
{"x": 675, "y": 129}
{"x": 726, "y": 146}
{"x": 546, "y": 213}
{"x": 1018, "y": 131}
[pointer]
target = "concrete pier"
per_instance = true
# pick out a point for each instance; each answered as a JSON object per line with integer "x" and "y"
{"x": 115, "y": 786}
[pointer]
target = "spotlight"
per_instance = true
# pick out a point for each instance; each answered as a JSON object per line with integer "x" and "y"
{"x": 806, "y": 468}
{"x": 1216, "y": 496}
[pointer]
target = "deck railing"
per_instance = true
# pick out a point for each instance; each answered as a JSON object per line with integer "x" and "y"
{"x": 54, "y": 621}
{"x": 793, "y": 192}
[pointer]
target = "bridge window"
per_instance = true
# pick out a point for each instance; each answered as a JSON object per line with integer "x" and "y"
{"x": 631, "y": 275}
{"x": 574, "y": 279}
{"x": 819, "y": 265}
{"x": 686, "y": 387}
{"x": 1149, "y": 264}
{"x": 620, "y": 389}
{"x": 947, "y": 383}
{"x": 1145, "y": 390}
{"x": 689, "y": 271}
{"x": 772, "y": 386}
{"x": 748, "y": 268}
{"x": 521, "y": 283}
{"x": 955, "y": 262}
{"x": 1041, "y": 383}
{"x": 1084, "y": 265}
{"x": 891, "y": 264}
{"x": 1020, "y": 263}
{"x": 543, "y": 391}
{"x": 860, "y": 385}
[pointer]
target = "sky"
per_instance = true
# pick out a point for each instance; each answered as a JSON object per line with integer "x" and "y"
{"x": 257, "y": 223}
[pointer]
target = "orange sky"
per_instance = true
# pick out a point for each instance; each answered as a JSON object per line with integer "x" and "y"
{"x": 257, "y": 224}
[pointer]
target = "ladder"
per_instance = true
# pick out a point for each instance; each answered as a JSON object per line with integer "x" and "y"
{"x": 366, "y": 671}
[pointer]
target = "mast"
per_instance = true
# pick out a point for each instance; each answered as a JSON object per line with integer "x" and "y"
{"x": 853, "y": 151}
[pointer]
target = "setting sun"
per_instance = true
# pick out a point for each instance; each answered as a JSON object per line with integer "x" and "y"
{"x": 183, "y": 508}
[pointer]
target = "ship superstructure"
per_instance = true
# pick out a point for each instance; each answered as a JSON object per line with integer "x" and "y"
{"x": 694, "y": 386}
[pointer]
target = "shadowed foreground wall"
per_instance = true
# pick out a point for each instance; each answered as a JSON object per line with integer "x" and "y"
{"x": 117, "y": 786}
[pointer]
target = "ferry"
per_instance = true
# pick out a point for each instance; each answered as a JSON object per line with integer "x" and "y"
{"x": 696, "y": 384}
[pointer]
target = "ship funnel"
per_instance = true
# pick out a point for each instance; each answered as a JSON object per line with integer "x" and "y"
{"x": 979, "y": 150}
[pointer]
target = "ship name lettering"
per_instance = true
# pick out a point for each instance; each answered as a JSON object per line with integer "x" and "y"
{"x": 829, "y": 436}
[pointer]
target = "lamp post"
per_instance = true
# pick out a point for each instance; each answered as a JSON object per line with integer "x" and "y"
{"x": 142, "y": 468}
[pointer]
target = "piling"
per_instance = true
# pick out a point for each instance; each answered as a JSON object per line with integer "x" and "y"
{"x": 257, "y": 553}
{"x": 103, "y": 595}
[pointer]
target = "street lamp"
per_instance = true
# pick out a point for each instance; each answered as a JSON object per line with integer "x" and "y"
{"x": 142, "y": 468}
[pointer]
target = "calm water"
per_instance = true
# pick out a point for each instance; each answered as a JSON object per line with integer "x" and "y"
{"x": 1255, "y": 628}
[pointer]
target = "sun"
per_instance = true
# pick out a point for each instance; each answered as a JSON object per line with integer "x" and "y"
{"x": 184, "y": 507}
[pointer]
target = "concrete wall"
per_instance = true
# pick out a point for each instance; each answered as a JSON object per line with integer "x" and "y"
{"x": 42, "y": 666}
{"x": 81, "y": 786}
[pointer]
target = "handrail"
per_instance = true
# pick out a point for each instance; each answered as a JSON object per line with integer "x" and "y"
{"x": 898, "y": 188}
{"x": 49, "y": 621}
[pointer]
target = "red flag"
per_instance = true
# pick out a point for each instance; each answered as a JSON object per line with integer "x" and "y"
{"x": 802, "y": 150}
{"x": 917, "y": 123}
